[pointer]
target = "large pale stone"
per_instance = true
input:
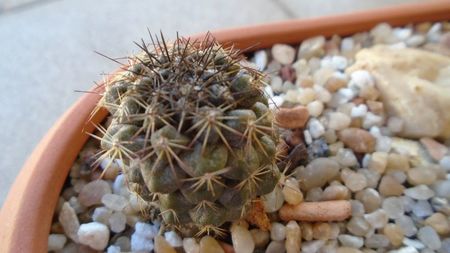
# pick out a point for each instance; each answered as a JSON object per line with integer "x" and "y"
{"x": 414, "y": 86}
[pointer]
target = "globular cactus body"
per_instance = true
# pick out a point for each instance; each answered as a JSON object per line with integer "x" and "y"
{"x": 194, "y": 132}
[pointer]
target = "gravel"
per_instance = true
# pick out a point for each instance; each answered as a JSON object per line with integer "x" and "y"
{"x": 398, "y": 188}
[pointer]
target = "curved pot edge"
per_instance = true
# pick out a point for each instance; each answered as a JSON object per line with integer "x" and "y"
{"x": 26, "y": 218}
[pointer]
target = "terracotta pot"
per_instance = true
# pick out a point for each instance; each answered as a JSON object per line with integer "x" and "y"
{"x": 26, "y": 216}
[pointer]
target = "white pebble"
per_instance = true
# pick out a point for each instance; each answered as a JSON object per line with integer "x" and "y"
{"x": 316, "y": 128}
{"x": 413, "y": 243}
{"x": 173, "y": 239}
{"x": 113, "y": 249}
{"x": 141, "y": 244}
{"x": 117, "y": 222}
{"x": 114, "y": 202}
{"x": 393, "y": 207}
{"x": 276, "y": 102}
{"x": 371, "y": 120}
{"x": 361, "y": 78}
{"x": 429, "y": 237}
{"x": 338, "y": 121}
{"x": 407, "y": 249}
{"x": 146, "y": 230}
{"x": 56, "y": 242}
{"x": 347, "y": 44}
{"x": 312, "y": 246}
{"x": 415, "y": 40}
{"x": 102, "y": 214}
{"x": 94, "y": 235}
{"x": 346, "y": 157}
{"x": 339, "y": 62}
{"x": 322, "y": 94}
{"x": 119, "y": 185}
{"x": 402, "y": 34}
{"x": 308, "y": 137}
{"x": 407, "y": 225}
{"x": 260, "y": 59}
{"x": 359, "y": 111}
{"x": 273, "y": 200}
{"x": 278, "y": 231}
{"x": 283, "y": 53}
{"x": 422, "y": 209}
{"x": 190, "y": 245}
{"x": 351, "y": 241}
{"x": 420, "y": 192}
{"x": 445, "y": 163}
{"x": 315, "y": 108}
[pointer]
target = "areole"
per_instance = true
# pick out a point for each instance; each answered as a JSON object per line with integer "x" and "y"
{"x": 27, "y": 212}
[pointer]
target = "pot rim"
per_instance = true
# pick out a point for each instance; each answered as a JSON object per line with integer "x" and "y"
{"x": 27, "y": 212}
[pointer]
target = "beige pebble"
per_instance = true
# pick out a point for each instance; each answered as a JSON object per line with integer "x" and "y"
{"x": 358, "y": 140}
{"x": 209, "y": 244}
{"x": 389, "y": 186}
{"x": 306, "y": 231}
{"x": 440, "y": 223}
{"x": 260, "y": 237}
{"x": 378, "y": 162}
{"x": 397, "y": 162}
{"x": 334, "y": 83}
{"x": 295, "y": 117}
{"x": 162, "y": 246}
{"x": 394, "y": 233}
{"x": 291, "y": 192}
{"x": 435, "y": 149}
{"x": 293, "y": 241}
{"x": 421, "y": 175}
{"x": 336, "y": 192}
{"x": 321, "y": 231}
{"x": 335, "y": 210}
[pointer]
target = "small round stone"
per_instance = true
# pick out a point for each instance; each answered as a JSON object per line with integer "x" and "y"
{"x": 358, "y": 226}
{"x": 407, "y": 225}
{"x": 278, "y": 231}
{"x": 307, "y": 231}
{"x": 274, "y": 200}
{"x": 209, "y": 244}
{"x": 173, "y": 239}
{"x": 377, "y": 241}
{"x": 114, "y": 202}
{"x": 190, "y": 245}
{"x": 92, "y": 192}
{"x": 312, "y": 246}
{"x": 338, "y": 121}
{"x": 275, "y": 247}
{"x": 336, "y": 192}
{"x": 69, "y": 221}
{"x": 346, "y": 157}
{"x": 291, "y": 192}
{"x": 440, "y": 223}
{"x": 292, "y": 117}
{"x": 429, "y": 237}
{"x": 421, "y": 175}
{"x": 420, "y": 192}
{"x": 358, "y": 140}
{"x": 94, "y": 235}
{"x": 394, "y": 233}
{"x": 389, "y": 186}
{"x": 378, "y": 162}
{"x": 242, "y": 239}
{"x": 260, "y": 237}
{"x": 321, "y": 231}
{"x": 293, "y": 237}
{"x": 162, "y": 246}
{"x": 318, "y": 173}
{"x": 351, "y": 241}
{"x": 393, "y": 207}
{"x": 117, "y": 222}
{"x": 283, "y": 53}
{"x": 315, "y": 108}
{"x": 354, "y": 181}
{"x": 56, "y": 242}
{"x": 377, "y": 219}
{"x": 370, "y": 198}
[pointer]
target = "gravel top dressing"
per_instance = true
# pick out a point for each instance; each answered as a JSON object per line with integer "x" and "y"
{"x": 365, "y": 124}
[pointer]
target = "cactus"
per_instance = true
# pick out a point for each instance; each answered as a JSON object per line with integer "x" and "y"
{"x": 193, "y": 129}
